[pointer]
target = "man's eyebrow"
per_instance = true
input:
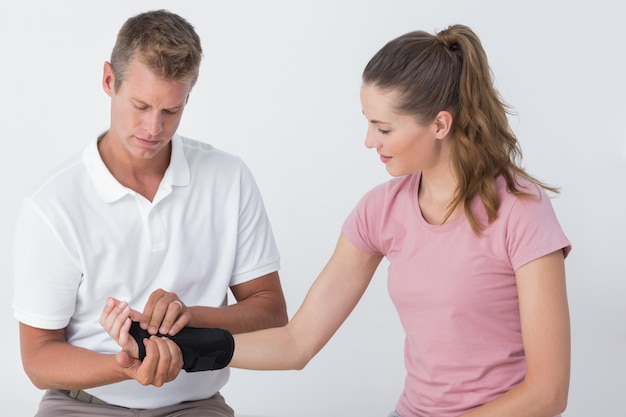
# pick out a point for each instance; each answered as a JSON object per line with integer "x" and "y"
{"x": 143, "y": 103}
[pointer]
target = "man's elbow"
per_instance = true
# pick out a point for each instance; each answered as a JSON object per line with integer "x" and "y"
{"x": 38, "y": 382}
{"x": 278, "y": 316}
{"x": 281, "y": 319}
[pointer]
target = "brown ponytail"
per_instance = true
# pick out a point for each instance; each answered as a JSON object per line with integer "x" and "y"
{"x": 449, "y": 71}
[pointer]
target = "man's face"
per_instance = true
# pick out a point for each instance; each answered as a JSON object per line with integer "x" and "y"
{"x": 145, "y": 110}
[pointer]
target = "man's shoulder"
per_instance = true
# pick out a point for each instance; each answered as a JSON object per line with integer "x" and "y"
{"x": 198, "y": 151}
{"x": 61, "y": 176}
{"x": 195, "y": 145}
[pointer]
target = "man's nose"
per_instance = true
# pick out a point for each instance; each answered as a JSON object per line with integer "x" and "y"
{"x": 154, "y": 123}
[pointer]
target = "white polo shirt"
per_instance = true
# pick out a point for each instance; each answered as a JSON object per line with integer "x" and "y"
{"x": 82, "y": 236}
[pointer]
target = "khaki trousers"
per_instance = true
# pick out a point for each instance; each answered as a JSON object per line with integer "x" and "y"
{"x": 59, "y": 403}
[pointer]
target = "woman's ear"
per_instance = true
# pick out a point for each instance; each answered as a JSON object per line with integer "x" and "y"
{"x": 443, "y": 124}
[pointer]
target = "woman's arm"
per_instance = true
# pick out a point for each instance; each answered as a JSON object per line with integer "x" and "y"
{"x": 330, "y": 300}
{"x": 328, "y": 303}
{"x": 546, "y": 333}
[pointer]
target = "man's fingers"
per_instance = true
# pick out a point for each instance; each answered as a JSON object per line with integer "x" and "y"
{"x": 128, "y": 342}
{"x": 176, "y": 362}
{"x": 149, "y": 308}
{"x": 162, "y": 311}
{"x": 162, "y": 363}
{"x": 174, "y": 310}
{"x": 165, "y": 358}
{"x": 146, "y": 371}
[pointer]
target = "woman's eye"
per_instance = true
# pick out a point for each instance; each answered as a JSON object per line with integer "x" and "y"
{"x": 383, "y": 131}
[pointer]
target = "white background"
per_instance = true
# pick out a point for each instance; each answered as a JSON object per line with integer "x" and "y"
{"x": 279, "y": 86}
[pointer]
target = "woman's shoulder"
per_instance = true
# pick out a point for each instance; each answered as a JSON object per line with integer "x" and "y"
{"x": 528, "y": 200}
{"x": 520, "y": 188}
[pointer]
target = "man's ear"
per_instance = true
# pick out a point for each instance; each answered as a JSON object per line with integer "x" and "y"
{"x": 108, "y": 79}
{"x": 443, "y": 124}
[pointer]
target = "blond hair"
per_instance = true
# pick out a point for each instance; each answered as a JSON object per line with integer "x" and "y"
{"x": 163, "y": 41}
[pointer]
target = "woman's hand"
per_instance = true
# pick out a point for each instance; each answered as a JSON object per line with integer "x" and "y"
{"x": 116, "y": 319}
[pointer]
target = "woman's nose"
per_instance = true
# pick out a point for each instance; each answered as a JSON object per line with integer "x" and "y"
{"x": 370, "y": 139}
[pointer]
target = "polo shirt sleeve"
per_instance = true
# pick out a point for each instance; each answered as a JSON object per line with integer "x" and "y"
{"x": 46, "y": 278}
{"x": 257, "y": 252}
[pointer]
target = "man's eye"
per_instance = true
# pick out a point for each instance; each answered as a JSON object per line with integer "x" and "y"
{"x": 171, "y": 112}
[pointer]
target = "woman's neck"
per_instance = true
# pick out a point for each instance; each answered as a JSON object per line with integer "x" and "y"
{"x": 436, "y": 193}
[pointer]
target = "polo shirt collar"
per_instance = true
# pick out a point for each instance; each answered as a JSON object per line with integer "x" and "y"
{"x": 109, "y": 188}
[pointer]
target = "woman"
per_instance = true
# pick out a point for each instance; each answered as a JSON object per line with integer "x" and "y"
{"x": 475, "y": 250}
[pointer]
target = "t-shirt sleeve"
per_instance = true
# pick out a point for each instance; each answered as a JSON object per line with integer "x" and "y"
{"x": 533, "y": 230}
{"x": 362, "y": 227}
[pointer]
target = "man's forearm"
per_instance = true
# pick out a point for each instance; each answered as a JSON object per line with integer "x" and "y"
{"x": 243, "y": 317}
{"x": 59, "y": 365}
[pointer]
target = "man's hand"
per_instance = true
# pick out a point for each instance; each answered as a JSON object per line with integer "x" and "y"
{"x": 162, "y": 363}
{"x": 164, "y": 358}
{"x": 164, "y": 313}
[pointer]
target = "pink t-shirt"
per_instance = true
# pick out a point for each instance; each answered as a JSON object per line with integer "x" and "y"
{"x": 455, "y": 291}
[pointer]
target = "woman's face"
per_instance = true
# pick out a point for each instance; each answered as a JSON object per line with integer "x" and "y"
{"x": 404, "y": 145}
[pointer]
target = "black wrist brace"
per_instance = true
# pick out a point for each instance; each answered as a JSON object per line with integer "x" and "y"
{"x": 203, "y": 349}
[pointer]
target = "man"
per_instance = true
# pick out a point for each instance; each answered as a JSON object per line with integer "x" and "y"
{"x": 147, "y": 216}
